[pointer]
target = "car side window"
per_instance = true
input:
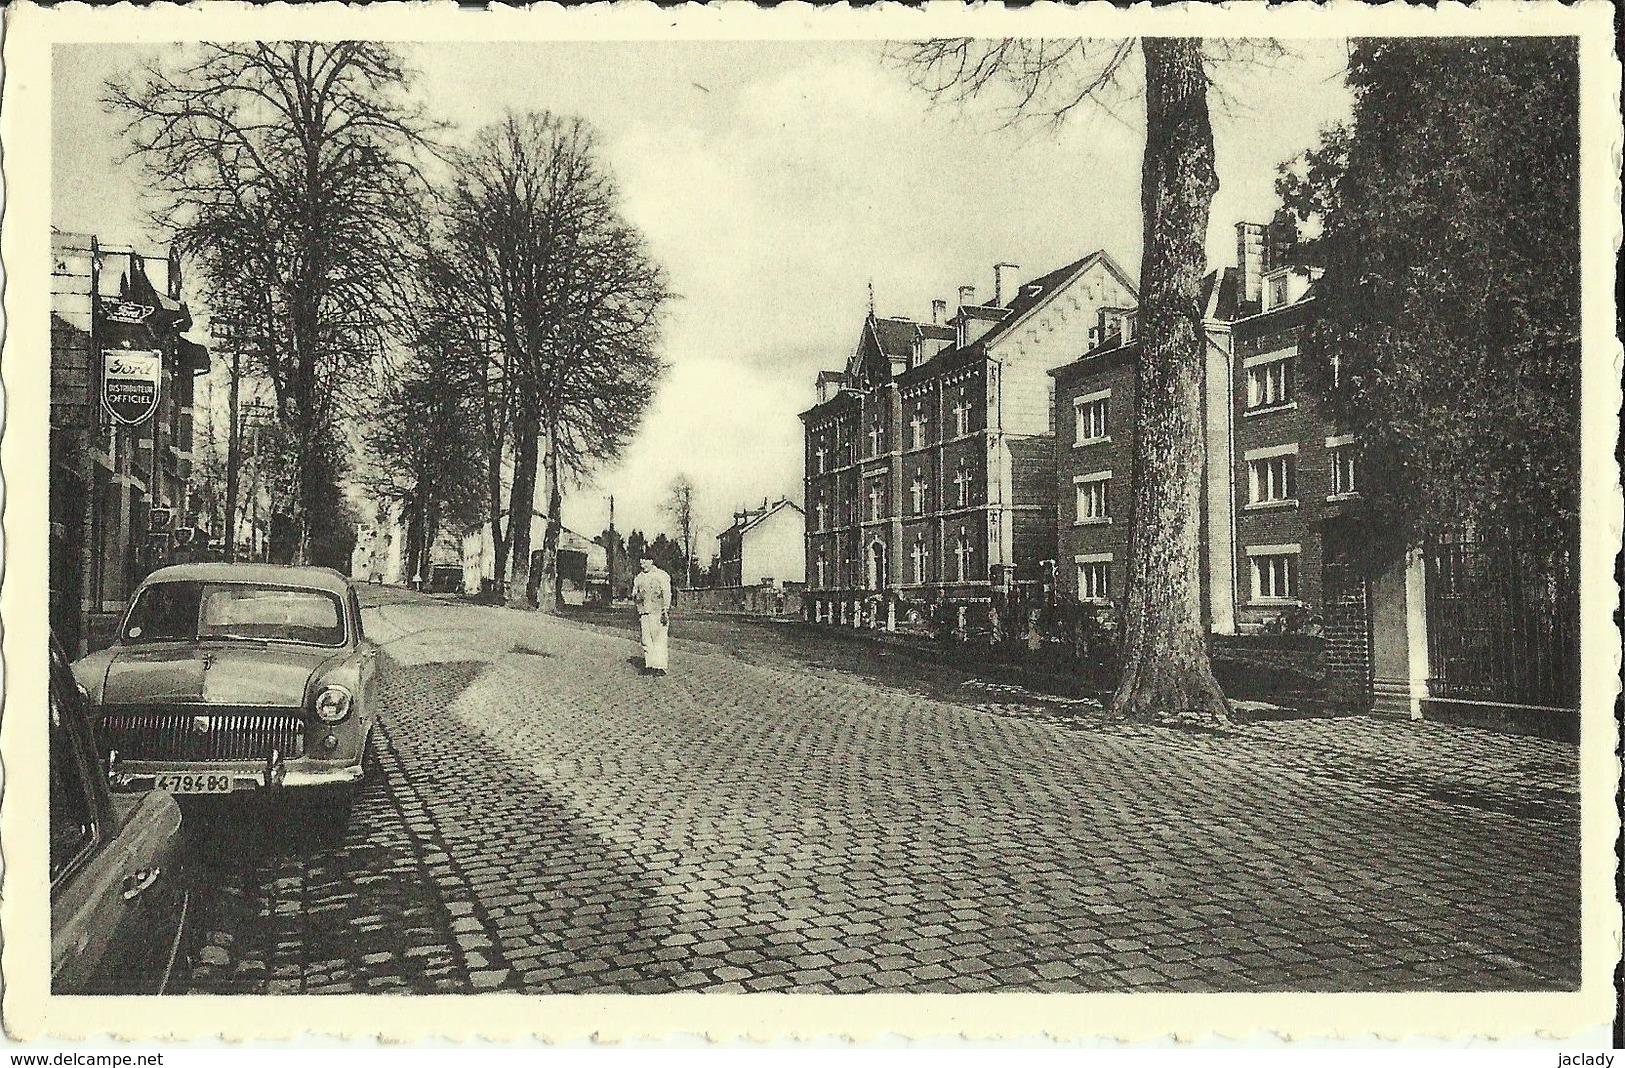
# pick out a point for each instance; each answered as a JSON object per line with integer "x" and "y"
{"x": 73, "y": 827}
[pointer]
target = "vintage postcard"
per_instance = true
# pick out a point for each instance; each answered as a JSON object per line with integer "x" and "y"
{"x": 626, "y": 522}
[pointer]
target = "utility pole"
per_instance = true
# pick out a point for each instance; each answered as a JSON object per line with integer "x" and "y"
{"x": 233, "y": 453}
{"x": 611, "y": 552}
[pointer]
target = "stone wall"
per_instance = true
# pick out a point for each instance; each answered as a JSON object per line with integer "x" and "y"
{"x": 778, "y": 600}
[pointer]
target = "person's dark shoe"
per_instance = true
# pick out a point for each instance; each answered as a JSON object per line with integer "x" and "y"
{"x": 661, "y": 672}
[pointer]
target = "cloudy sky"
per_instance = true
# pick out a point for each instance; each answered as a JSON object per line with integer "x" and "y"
{"x": 776, "y": 182}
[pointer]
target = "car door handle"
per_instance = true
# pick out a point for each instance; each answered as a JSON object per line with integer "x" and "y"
{"x": 137, "y": 883}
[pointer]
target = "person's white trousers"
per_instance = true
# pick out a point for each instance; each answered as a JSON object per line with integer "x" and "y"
{"x": 654, "y": 641}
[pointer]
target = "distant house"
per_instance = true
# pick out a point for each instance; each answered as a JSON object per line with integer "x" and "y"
{"x": 764, "y": 546}
{"x": 583, "y": 563}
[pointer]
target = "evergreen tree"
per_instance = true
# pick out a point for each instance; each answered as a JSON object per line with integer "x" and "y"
{"x": 1447, "y": 324}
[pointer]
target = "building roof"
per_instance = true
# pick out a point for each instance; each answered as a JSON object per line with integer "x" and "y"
{"x": 1221, "y": 294}
{"x": 315, "y": 578}
{"x": 1031, "y": 294}
{"x": 752, "y": 517}
{"x": 895, "y": 336}
{"x": 1108, "y": 354}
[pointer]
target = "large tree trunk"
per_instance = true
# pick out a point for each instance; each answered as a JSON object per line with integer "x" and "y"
{"x": 551, "y": 596}
{"x": 522, "y": 504}
{"x": 431, "y": 532}
{"x": 409, "y": 572}
{"x": 493, "y": 503}
{"x": 1166, "y": 674}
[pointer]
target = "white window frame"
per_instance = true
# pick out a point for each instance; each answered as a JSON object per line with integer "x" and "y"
{"x": 1261, "y": 572}
{"x": 1099, "y": 565}
{"x": 1090, "y": 489}
{"x": 918, "y": 492}
{"x": 920, "y": 560}
{"x": 1084, "y": 430}
{"x": 1344, "y": 456}
{"x": 962, "y": 553}
{"x": 1272, "y": 476}
{"x": 962, "y": 478}
{"x": 916, "y": 425}
{"x": 1271, "y": 381}
{"x": 962, "y": 412}
{"x": 877, "y": 500}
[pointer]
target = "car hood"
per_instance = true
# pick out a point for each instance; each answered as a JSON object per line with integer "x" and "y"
{"x": 214, "y": 674}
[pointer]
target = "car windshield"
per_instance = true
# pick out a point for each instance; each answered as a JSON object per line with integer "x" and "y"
{"x": 209, "y": 611}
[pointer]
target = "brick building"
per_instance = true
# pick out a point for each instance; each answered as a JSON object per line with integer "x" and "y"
{"x": 121, "y": 496}
{"x": 1296, "y": 473}
{"x": 930, "y": 458}
{"x": 1281, "y": 501}
{"x": 1095, "y": 399}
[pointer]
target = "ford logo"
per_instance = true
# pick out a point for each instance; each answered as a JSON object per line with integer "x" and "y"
{"x": 201, "y": 724}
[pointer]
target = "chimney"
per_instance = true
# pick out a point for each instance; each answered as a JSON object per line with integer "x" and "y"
{"x": 998, "y": 281}
{"x": 967, "y": 294}
{"x": 1250, "y": 261}
{"x": 939, "y": 312}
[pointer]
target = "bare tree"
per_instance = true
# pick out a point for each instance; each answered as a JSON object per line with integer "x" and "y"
{"x": 566, "y": 300}
{"x": 1166, "y": 676}
{"x": 680, "y": 507}
{"x": 422, "y": 444}
{"x": 287, "y": 169}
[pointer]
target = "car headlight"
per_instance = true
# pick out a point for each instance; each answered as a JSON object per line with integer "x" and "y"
{"x": 333, "y": 704}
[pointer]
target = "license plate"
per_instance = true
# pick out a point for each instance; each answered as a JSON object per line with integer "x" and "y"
{"x": 187, "y": 783}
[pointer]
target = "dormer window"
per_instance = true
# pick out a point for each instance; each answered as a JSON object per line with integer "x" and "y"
{"x": 1278, "y": 293}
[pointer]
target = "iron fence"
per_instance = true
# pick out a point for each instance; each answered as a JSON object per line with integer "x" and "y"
{"x": 1503, "y": 624}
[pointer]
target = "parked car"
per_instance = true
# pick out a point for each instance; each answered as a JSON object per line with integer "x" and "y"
{"x": 118, "y": 898}
{"x": 227, "y": 678}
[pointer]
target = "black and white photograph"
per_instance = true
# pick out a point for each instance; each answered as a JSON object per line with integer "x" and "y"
{"x": 948, "y": 507}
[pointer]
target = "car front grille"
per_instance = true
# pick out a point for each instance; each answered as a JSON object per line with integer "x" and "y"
{"x": 202, "y": 734}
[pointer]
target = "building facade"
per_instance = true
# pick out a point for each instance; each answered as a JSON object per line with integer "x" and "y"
{"x": 929, "y": 459}
{"x": 1281, "y": 506}
{"x": 1095, "y": 399}
{"x": 764, "y": 547}
{"x": 122, "y": 502}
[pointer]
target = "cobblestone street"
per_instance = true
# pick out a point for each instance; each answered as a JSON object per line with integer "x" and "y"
{"x": 787, "y": 812}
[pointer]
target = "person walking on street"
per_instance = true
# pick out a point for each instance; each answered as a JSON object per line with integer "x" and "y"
{"x": 651, "y": 595}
